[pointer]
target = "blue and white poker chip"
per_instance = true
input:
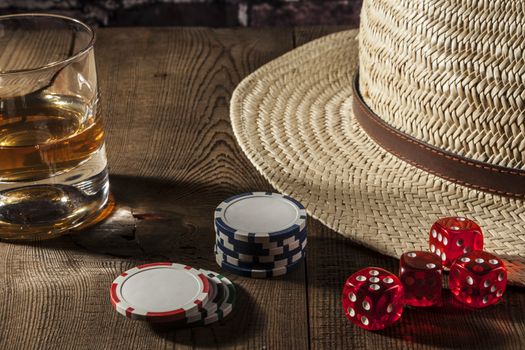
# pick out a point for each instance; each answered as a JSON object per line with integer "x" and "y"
{"x": 258, "y": 265}
{"x": 258, "y": 273}
{"x": 262, "y": 245}
{"x": 259, "y": 258}
{"x": 260, "y": 234}
{"x": 260, "y": 217}
{"x": 256, "y": 251}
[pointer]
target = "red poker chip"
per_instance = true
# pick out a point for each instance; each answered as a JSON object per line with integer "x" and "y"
{"x": 160, "y": 292}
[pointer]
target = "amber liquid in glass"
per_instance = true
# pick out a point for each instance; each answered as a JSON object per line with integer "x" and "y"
{"x": 53, "y": 173}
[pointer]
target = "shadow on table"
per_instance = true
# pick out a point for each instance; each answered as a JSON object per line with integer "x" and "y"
{"x": 153, "y": 220}
{"x": 233, "y": 329}
{"x": 156, "y": 219}
{"x": 159, "y": 220}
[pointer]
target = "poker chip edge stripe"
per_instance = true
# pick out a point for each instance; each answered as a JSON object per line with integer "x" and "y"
{"x": 222, "y": 311}
{"x": 260, "y": 243}
{"x": 260, "y": 236}
{"x": 266, "y": 265}
{"x": 256, "y": 258}
{"x": 258, "y": 273}
{"x": 257, "y": 251}
{"x": 207, "y": 309}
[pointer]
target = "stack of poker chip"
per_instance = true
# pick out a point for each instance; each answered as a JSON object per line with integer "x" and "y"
{"x": 173, "y": 293}
{"x": 260, "y": 234}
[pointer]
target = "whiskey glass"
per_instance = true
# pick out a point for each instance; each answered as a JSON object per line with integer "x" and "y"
{"x": 53, "y": 168}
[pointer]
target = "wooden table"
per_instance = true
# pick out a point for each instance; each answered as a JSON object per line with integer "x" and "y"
{"x": 173, "y": 158}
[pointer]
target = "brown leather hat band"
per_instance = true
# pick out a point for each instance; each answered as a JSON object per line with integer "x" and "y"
{"x": 467, "y": 172}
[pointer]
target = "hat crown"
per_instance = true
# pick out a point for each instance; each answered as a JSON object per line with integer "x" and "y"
{"x": 449, "y": 73}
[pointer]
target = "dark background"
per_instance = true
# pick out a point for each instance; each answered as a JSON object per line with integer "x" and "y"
{"x": 212, "y": 13}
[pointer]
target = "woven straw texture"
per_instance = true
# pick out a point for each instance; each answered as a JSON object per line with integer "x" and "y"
{"x": 293, "y": 119}
{"x": 450, "y": 73}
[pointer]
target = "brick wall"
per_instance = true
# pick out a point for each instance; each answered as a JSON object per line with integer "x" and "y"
{"x": 215, "y": 13}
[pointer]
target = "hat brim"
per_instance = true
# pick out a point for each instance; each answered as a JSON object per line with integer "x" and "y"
{"x": 293, "y": 118}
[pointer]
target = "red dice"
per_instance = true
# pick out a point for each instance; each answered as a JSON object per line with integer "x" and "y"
{"x": 453, "y": 237}
{"x": 373, "y": 298}
{"x": 478, "y": 279}
{"x": 421, "y": 276}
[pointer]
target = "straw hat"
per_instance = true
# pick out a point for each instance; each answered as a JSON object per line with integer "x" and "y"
{"x": 434, "y": 128}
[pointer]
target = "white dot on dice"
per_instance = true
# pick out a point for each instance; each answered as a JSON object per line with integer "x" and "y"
{"x": 351, "y": 312}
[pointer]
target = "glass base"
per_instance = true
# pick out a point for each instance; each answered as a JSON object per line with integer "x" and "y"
{"x": 102, "y": 215}
{"x": 39, "y": 234}
{"x": 35, "y": 210}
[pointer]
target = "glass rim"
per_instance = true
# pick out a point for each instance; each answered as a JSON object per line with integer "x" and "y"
{"x": 69, "y": 59}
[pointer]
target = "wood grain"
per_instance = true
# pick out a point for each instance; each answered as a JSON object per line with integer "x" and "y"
{"x": 332, "y": 258}
{"x": 173, "y": 157}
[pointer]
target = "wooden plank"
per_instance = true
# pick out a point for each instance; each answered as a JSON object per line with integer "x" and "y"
{"x": 173, "y": 157}
{"x": 332, "y": 258}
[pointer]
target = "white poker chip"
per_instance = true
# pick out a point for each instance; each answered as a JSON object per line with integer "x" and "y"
{"x": 258, "y": 258}
{"x": 216, "y": 294}
{"x": 160, "y": 292}
{"x": 258, "y": 273}
{"x": 259, "y": 245}
{"x": 260, "y": 217}
{"x": 262, "y": 251}
{"x": 269, "y": 265}
{"x": 223, "y": 303}
{"x": 214, "y": 291}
